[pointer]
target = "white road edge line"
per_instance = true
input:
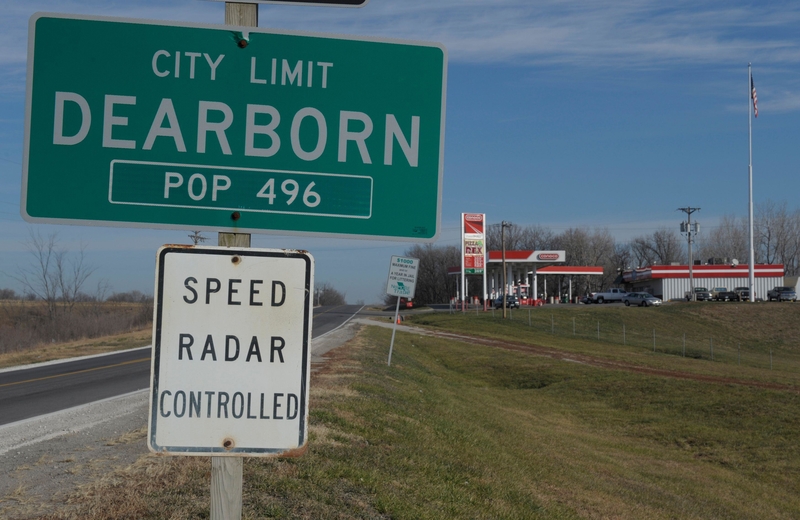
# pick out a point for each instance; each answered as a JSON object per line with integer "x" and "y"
{"x": 342, "y": 325}
{"x": 74, "y": 409}
{"x": 67, "y": 360}
{"x": 69, "y": 430}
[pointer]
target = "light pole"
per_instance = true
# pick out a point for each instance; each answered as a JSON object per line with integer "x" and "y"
{"x": 503, "y": 227}
{"x": 686, "y": 227}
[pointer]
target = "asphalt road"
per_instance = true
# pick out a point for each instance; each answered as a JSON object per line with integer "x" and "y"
{"x": 48, "y": 388}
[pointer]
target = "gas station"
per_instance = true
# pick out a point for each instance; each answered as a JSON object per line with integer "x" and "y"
{"x": 523, "y": 269}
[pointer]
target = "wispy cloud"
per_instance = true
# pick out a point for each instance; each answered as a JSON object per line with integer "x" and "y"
{"x": 634, "y": 33}
{"x": 589, "y": 33}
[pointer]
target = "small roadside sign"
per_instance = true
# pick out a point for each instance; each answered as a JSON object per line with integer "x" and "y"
{"x": 403, "y": 284}
{"x": 402, "y": 277}
{"x": 231, "y": 360}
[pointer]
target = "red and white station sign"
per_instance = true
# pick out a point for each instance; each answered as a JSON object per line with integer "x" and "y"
{"x": 473, "y": 242}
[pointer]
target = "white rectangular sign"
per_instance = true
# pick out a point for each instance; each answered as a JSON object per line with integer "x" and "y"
{"x": 231, "y": 360}
{"x": 402, "y": 276}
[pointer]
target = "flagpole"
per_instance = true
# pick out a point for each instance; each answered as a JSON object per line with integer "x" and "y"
{"x": 751, "y": 262}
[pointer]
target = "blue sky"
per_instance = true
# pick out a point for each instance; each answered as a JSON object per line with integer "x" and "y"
{"x": 559, "y": 113}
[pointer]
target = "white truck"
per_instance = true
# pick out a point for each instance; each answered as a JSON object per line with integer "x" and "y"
{"x": 608, "y": 296}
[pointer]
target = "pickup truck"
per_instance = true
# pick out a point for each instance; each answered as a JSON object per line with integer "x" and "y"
{"x": 742, "y": 294}
{"x": 722, "y": 294}
{"x": 701, "y": 294}
{"x": 782, "y": 293}
{"x": 611, "y": 295}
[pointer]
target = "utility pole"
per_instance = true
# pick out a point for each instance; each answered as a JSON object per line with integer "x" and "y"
{"x": 686, "y": 227}
{"x": 503, "y": 227}
{"x": 197, "y": 237}
{"x": 751, "y": 108}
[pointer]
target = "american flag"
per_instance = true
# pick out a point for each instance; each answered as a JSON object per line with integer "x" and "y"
{"x": 754, "y": 96}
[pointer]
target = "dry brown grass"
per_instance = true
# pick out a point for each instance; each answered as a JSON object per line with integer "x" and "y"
{"x": 29, "y": 325}
{"x": 158, "y": 486}
{"x": 84, "y": 347}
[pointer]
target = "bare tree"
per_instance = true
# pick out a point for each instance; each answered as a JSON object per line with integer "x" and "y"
{"x": 584, "y": 246}
{"x": 71, "y": 274}
{"x": 433, "y": 283}
{"x": 621, "y": 258}
{"x": 328, "y": 295}
{"x": 53, "y": 276}
{"x": 663, "y": 247}
{"x": 729, "y": 239}
{"x": 524, "y": 238}
{"x": 776, "y": 237}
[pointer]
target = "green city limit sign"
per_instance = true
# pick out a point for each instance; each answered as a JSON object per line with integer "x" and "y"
{"x": 149, "y": 124}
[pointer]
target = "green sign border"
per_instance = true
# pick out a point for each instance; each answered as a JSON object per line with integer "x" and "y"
{"x": 328, "y": 229}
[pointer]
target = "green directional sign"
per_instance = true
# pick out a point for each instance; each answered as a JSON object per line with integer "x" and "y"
{"x": 149, "y": 124}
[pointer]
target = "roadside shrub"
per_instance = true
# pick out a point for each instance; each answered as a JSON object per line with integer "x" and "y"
{"x": 26, "y": 325}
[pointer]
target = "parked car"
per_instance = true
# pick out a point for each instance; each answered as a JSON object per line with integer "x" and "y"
{"x": 511, "y": 302}
{"x": 641, "y": 299}
{"x": 742, "y": 294}
{"x": 722, "y": 294}
{"x": 608, "y": 296}
{"x": 701, "y": 294}
{"x": 782, "y": 293}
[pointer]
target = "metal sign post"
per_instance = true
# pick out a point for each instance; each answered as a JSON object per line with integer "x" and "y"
{"x": 231, "y": 358}
{"x": 402, "y": 283}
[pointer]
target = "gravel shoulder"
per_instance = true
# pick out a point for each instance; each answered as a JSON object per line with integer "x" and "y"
{"x": 44, "y": 459}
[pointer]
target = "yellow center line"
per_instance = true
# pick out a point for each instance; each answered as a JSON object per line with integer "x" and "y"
{"x": 329, "y": 310}
{"x": 76, "y": 372}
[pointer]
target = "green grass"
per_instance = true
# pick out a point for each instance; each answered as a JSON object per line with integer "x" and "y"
{"x": 456, "y": 430}
{"x": 740, "y": 336}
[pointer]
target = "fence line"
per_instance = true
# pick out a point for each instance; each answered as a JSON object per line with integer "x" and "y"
{"x": 678, "y": 345}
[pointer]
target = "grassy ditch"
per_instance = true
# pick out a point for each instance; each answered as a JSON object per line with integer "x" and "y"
{"x": 457, "y": 430}
{"x": 759, "y": 341}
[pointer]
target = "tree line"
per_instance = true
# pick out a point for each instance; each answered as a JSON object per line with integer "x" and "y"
{"x": 58, "y": 277}
{"x": 776, "y": 241}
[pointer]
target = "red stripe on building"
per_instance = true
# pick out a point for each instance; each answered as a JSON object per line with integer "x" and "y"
{"x": 511, "y": 255}
{"x": 704, "y": 271}
{"x": 571, "y": 269}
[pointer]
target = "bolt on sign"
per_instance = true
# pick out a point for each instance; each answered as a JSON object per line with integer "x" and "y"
{"x": 185, "y": 126}
{"x": 231, "y": 360}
